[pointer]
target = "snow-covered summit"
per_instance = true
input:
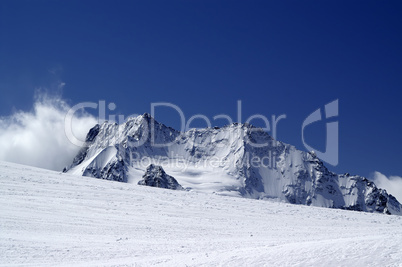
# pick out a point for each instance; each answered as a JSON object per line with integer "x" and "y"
{"x": 237, "y": 159}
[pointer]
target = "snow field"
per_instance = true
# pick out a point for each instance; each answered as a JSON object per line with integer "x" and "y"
{"x": 49, "y": 218}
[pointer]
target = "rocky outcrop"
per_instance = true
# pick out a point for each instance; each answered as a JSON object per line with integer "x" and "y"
{"x": 155, "y": 176}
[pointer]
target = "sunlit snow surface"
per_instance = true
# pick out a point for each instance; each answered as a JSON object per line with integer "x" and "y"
{"x": 49, "y": 218}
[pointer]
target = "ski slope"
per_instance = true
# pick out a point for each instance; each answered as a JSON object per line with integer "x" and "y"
{"x": 53, "y": 219}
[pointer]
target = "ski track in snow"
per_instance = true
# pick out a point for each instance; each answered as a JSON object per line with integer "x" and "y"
{"x": 49, "y": 218}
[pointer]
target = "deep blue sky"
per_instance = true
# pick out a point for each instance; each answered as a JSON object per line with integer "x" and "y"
{"x": 278, "y": 57}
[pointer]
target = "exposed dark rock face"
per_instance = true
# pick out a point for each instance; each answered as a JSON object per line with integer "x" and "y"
{"x": 155, "y": 176}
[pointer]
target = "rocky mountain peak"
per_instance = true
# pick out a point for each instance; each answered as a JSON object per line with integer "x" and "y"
{"x": 238, "y": 160}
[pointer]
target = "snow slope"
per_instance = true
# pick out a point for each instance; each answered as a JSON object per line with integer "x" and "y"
{"x": 49, "y": 218}
{"x": 236, "y": 160}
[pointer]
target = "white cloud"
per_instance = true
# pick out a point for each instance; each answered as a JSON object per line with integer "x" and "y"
{"x": 61, "y": 85}
{"x": 393, "y": 184}
{"x": 38, "y": 138}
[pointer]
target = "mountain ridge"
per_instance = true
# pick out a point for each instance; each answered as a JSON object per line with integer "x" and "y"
{"x": 237, "y": 159}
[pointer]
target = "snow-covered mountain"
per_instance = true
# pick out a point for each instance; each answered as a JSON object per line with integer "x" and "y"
{"x": 237, "y": 159}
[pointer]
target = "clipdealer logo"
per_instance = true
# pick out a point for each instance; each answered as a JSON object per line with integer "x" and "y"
{"x": 331, "y": 153}
{"x": 330, "y": 111}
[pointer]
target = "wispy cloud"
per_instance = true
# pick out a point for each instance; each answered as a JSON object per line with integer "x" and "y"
{"x": 393, "y": 184}
{"x": 38, "y": 138}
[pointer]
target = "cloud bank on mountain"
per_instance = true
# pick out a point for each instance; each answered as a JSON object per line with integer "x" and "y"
{"x": 38, "y": 138}
{"x": 393, "y": 184}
